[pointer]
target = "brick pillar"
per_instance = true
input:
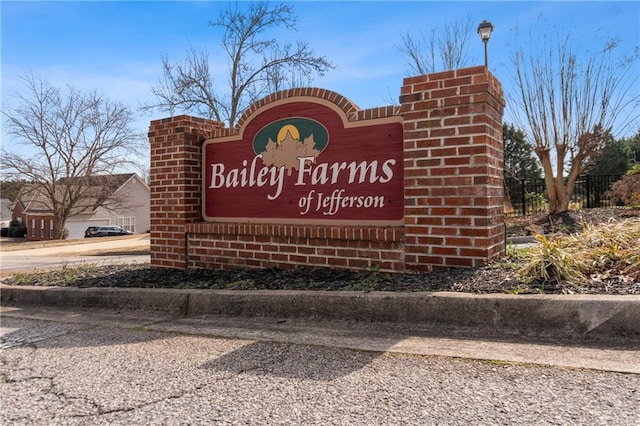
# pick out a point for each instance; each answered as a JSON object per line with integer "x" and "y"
{"x": 176, "y": 184}
{"x": 453, "y": 156}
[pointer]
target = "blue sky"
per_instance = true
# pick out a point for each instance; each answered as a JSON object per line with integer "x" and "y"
{"x": 115, "y": 47}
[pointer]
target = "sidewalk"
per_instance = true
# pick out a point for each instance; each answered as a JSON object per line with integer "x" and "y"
{"x": 621, "y": 355}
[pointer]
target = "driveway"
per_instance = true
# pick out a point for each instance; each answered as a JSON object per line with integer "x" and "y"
{"x": 101, "y": 251}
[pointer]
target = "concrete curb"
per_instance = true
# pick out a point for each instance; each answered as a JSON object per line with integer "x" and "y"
{"x": 562, "y": 315}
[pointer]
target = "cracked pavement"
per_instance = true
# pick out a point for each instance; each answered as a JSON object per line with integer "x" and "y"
{"x": 111, "y": 372}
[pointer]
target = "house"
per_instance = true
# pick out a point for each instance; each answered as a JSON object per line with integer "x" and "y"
{"x": 5, "y": 212}
{"x": 122, "y": 200}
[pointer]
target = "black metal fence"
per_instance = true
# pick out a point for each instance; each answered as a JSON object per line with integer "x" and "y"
{"x": 529, "y": 196}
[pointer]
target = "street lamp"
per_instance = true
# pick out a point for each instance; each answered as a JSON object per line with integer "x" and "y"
{"x": 484, "y": 29}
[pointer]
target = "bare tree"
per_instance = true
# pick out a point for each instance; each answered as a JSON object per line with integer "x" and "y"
{"x": 570, "y": 104}
{"x": 442, "y": 49}
{"x": 258, "y": 65}
{"x": 67, "y": 137}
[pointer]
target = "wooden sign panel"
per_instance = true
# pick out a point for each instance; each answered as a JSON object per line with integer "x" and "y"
{"x": 302, "y": 160}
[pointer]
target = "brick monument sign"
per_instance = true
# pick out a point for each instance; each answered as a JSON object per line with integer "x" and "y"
{"x": 308, "y": 179}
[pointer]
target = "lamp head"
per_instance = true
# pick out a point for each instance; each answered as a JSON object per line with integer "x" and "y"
{"x": 484, "y": 29}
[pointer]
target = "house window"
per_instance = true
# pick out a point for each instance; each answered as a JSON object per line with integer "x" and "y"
{"x": 33, "y": 227}
{"x": 127, "y": 223}
{"x": 41, "y": 228}
{"x": 51, "y": 229}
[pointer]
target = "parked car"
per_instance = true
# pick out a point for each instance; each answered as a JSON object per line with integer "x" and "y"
{"x": 105, "y": 231}
{"x": 91, "y": 231}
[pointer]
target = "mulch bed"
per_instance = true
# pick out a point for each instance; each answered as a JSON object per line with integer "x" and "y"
{"x": 496, "y": 278}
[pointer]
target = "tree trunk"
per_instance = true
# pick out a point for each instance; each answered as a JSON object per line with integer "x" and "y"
{"x": 507, "y": 206}
{"x": 556, "y": 190}
{"x": 562, "y": 198}
{"x": 59, "y": 229}
{"x": 59, "y": 233}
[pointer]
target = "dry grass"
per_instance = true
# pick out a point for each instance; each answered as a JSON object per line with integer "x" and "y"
{"x": 600, "y": 251}
{"x": 610, "y": 246}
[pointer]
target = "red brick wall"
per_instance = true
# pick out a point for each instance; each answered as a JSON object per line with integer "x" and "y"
{"x": 225, "y": 245}
{"x": 453, "y": 169}
{"x": 36, "y": 233}
{"x": 176, "y": 184}
{"x": 453, "y": 189}
{"x": 18, "y": 214}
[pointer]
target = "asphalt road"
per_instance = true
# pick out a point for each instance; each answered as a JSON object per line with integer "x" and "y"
{"x": 102, "y": 371}
{"x": 113, "y": 250}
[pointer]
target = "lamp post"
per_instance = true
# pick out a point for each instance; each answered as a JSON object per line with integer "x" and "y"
{"x": 484, "y": 29}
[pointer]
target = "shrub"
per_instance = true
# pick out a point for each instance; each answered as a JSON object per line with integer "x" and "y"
{"x": 535, "y": 202}
{"x": 626, "y": 191}
{"x": 634, "y": 170}
{"x": 551, "y": 261}
{"x": 17, "y": 231}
